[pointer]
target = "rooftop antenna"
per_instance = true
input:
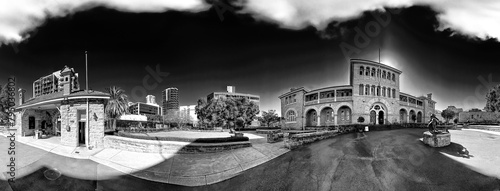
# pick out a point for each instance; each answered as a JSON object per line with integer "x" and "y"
{"x": 86, "y": 74}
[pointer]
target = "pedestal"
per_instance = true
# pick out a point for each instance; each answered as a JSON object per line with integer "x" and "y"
{"x": 437, "y": 140}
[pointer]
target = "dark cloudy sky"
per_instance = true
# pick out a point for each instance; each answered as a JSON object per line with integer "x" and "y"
{"x": 257, "y": 50}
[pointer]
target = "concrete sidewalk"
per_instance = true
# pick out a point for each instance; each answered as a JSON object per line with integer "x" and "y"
{"x": 180, "y": 169}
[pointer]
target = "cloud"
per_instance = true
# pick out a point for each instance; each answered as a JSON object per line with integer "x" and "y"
{"x": 20, "y": 16}
{"x": 479, "y": 18}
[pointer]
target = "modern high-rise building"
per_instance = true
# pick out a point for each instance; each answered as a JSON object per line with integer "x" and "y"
{"x": 170, "y": 99}
{"x": 151, "y": 99}
{"x": 189, "y": 112}
{"x": 55, "y": 81}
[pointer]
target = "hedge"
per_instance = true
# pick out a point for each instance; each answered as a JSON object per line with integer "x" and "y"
{"x": 180, "y": 139}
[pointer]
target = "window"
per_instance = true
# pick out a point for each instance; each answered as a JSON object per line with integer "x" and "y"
{"x": 389, "y": 75}
{"x": 378, "y": 90}
{"x": 31, "y": 122}
{"x": 373, "y": 72}
{"x": 373, "y": 90}
{"x": 361, "y": 89}
{"x": 290, "y": 116}
{"x": 393, "y": 92}
{"x": 361, "y": 70}
{"x": 294, "y": 98}
{"x": 367, "y": 90}
{"x": 383, "y": 75}
{"x": 367, "y": 72}
{"x": 383, "y": 92}
{"x": 393, "y": 77}
{"x": 286, "y": 100}
{"x": 389, "y": 92}
{"x": 378, "y": 73}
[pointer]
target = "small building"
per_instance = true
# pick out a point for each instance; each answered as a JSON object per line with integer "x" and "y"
{"x": 140, "y": 108}
{"x": 231, "y": 93}
{"x": 64, "y": 113}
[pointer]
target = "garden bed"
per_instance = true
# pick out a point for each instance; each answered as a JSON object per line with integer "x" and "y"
{"x": 293, "y": 141}
{"x": 184, "y": 139}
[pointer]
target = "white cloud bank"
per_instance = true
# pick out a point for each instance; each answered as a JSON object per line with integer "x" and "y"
{"x": 480, "y": 18}
{"x": 18, "y": 16}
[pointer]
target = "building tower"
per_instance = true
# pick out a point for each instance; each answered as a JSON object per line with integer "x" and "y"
{"x": 170, "y": 99}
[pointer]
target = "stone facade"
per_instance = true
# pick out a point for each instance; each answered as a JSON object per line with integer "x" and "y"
{"x": 72, "y": 114}
{"x": 373, "y": 94}
{"x": 48, "y": 118}
{"x": 296, "y": 140}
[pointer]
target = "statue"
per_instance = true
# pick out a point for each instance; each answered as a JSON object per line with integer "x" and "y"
{"x": 433, "y": 123}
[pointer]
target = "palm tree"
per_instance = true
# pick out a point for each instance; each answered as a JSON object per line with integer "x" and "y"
{"x": 117, "y": 104}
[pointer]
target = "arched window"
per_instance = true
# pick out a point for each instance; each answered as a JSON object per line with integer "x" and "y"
{"x": 388, "y": 92}
{"x": 389, "y": 75}
{"x": 378, "y": 73}
{"x": 378, "y": 90}
{"x": 373, "y": 72}
{"x": 290, "y": 116}
{"x": 393, "y": 93}
{"x": 367, "y": 90}
{"x": 373, "y": 90}
{"x": 361, "y": 70}
{"x": 367, "y": 72}
{"x": 393, "y": 77}
{"x": 286, "y": 100}
{"x": 383, "y": 75}
{"x": 361, "y": 89}
{"x": 383, "y": 92}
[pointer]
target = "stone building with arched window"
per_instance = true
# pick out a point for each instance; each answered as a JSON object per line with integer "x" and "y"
{"x": 372, "y": 94}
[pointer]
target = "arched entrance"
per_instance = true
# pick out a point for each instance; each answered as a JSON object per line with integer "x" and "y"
{"x": 381, "y": 117}
{"x": 377, "y": 112}
{"x": 403, "y": 116}
{"x": 373, "y": 116}
{"x": 344, "y": 115}
{"x": 413, "y": 116}
{"x": 311, "y": 118}
{"x": 326, "y": 118}
{"x": 419, "y": 117}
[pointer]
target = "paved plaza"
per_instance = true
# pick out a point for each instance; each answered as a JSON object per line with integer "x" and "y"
{"x": 379, "y": 160}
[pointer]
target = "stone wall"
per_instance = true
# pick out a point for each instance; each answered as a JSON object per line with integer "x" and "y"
{"x": 69, "y": 118}
{"x": 152, "y": 146}
{"x": 296, "y": 140}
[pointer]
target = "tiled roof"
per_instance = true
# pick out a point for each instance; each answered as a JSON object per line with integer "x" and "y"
{"x": 60, "y": 95}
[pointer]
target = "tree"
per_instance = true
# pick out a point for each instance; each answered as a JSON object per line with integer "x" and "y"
{"x": 117, "y": 104}
{"x": 414, "y": 117}
{"x": 361, "y": 119}
{"x": 226, "y": 112}
{"x": 493, "y": 99}
{"x": 270, "y": 117}
{"x": 5, "y": 116}
{"x": 448, "y": 114}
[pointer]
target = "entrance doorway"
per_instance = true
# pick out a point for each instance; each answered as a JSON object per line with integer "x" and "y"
{"x": 81, "y": 133}
{"x": 381, "y": 117}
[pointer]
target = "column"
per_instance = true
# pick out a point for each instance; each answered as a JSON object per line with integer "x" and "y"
{"x": 318, "y": 101}
{"x": 318, "y": 122}
{"x": 408, "y": 118}
{"x": 335, "y": 99}
{"x": 335, "y": 119}
{"x": 376, "y": 118}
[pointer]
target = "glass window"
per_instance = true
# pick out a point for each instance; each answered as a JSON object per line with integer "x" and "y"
{"x": 361, "y": 70}
{"x": 361, "y": 89}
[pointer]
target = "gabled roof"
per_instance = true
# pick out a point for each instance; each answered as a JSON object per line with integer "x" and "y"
{"x": 59, "y": 95}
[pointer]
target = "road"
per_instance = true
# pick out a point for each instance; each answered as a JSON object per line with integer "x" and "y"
{"x": 381, "y": 160}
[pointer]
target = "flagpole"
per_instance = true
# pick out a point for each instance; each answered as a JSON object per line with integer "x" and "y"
{"x": 87, "y": 90}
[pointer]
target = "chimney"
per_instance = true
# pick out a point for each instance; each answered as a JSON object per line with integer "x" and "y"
{"x": 429, "y": 95}
{"x": 21, "y": 96}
